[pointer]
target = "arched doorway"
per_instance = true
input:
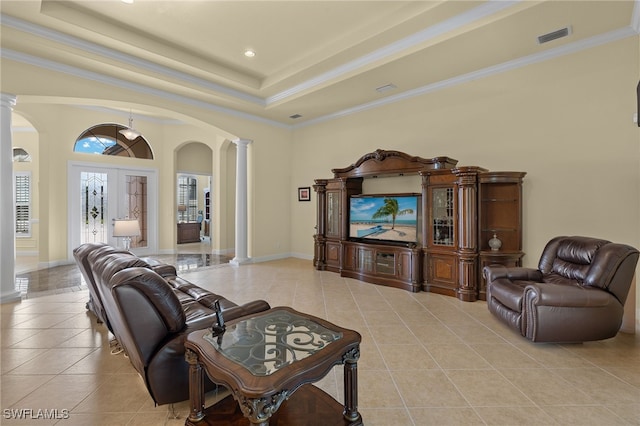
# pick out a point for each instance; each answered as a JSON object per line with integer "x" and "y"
{"x": 194, "y": 195}
{"x": 100, "y": 194}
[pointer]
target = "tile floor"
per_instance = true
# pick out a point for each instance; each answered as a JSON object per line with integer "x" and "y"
{"x": 425, "y": 359}
{"x": 32, "y": 281}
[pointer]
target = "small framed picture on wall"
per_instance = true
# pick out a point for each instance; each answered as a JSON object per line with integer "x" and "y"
{"x": 304, "y": 193}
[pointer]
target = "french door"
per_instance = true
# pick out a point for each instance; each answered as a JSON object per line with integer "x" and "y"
{"x": 99, "y": 195}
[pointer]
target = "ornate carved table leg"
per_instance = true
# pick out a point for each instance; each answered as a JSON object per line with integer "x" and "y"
{"x": 351, "y": 384}
{"x": 260, "y": 410}
{"x": 196, "y": 386}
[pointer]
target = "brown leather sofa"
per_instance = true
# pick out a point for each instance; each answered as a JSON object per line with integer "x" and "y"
{"x": 97, "y": 250}
{"x": 81, "y": 255}
{"x": 151, "y": 314}
{"x": 577, "y": 294}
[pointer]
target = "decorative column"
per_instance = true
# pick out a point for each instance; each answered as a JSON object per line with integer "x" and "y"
{"x": 8, "y": 292}
{"x": 467, "y": 233}
{"x": 241, "y": 202}
{"x": 319, "y": 260}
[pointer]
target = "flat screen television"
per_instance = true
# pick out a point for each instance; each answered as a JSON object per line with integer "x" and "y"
{"x": 385, "y": 217}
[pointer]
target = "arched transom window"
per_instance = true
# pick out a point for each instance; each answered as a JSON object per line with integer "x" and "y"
{"x": 113, "y": 139}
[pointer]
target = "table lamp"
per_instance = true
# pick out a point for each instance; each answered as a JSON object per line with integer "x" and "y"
{"x": 126, "y": 228}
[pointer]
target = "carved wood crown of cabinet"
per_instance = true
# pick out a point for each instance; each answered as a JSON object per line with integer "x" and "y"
{"x": 382, "y": 162}
{"x": 461, "y": 208}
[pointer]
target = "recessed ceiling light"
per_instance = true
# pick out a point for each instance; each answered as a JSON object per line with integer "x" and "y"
{"x": 249, "y": 53}
{"x": 127, "y": 1}
{"x": 294, "y": 116}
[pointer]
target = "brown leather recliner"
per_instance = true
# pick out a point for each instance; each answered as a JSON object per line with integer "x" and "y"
{"x": 150, "y": 311}
{"x": 81, "y": 255}
{"x": 85, "y": 255}
{"x": 151, "y": 324}
{"x": 577, "y": 294}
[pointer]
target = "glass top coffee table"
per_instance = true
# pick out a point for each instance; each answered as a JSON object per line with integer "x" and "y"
{"x": 263, "y": 359}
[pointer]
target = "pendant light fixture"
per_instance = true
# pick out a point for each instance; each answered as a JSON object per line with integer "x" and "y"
{"x": 129, "y": 132}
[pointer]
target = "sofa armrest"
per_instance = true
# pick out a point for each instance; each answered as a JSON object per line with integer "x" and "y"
{"x": 229, "y": 314}
{"x": 246, "y": 309}
{"x": 200, "y": 323}
{"x": 561, "y": 295}
{"x": 494, "y": 272}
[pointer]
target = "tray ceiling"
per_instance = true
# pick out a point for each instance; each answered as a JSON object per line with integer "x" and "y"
{"x": 316, "y": 59}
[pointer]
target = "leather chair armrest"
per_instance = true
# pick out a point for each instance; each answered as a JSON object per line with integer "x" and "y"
{"x": 494, "y": 272}
{"x": 228, "y": 314}
{"x": 246, "y": 309}
{"x": 549, "y": 294}
{"x": 200, "y": 323}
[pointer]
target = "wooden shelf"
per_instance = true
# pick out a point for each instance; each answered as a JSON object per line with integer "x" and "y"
{"x": 390, "y": 265}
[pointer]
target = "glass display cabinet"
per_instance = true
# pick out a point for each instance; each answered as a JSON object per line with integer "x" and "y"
{"x": 441, "y": 259}
{"x": 331, "y": 228}
{"x": 333, "y": 214}
{"x": 442, "y": 220}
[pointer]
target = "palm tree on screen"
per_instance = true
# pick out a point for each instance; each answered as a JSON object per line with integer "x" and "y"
{"x": 390, "y": 208}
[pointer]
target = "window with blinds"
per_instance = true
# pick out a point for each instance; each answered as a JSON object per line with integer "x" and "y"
{"x": 187, "y": 199}
{"x": 22, "y": 192}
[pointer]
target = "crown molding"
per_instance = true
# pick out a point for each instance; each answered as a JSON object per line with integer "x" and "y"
{"x": 451, "y": 24}
{"x": 482, "y": 73}
{"x": 139, "y": 88}
{"x": 22, "y": 129}
{"x": 487, "y": 9}
{"x": 104, "y": 52}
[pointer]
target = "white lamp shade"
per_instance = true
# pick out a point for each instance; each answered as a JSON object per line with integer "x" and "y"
{"x": 126, "y": 228}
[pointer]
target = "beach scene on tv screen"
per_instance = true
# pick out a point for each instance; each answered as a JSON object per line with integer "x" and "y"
{"x": 384, "y": 218}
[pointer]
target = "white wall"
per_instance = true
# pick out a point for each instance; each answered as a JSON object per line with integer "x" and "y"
{"x": 566, "y": 122}
{"x": 29, "y": 141}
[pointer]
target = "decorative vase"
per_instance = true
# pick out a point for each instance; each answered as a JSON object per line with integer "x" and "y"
{"x": 495, "y": 243}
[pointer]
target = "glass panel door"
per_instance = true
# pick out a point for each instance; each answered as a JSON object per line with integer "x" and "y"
{"x": 94, "y": 201}
{"x": 135, "y": 206}
{"x": 365, "y": 259}
{"x": 100, "y": 195}
{"x": 333, "y": 214}
{"x": 442, "y": 218}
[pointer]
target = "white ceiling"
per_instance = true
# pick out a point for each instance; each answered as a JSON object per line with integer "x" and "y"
{"x": 319, "y": 59}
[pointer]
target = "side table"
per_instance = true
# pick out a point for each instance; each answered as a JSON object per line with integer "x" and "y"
{"x": 263, "y": 360}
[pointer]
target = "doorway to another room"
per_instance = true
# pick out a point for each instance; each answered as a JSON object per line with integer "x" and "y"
{"x": 99, "y": 196}
{"x": 194, "y": 211}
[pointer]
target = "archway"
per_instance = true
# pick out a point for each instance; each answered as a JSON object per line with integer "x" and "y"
{"x": 194, "y": 194}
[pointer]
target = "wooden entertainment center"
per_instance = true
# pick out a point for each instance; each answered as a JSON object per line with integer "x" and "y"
{"x": 461, "y": 209}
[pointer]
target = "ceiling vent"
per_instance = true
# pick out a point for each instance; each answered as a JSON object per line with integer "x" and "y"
{"x": 554, "y": 35}
{"x": 386, "y": 88}
{"x": 294, "y": 116}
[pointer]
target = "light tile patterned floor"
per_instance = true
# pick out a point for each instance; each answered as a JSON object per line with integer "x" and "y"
{"x": 426, "y": 359}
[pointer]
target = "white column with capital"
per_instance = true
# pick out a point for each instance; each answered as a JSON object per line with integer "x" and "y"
{"x": 8, "y": 291}
{"x": 241, "y": 202}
